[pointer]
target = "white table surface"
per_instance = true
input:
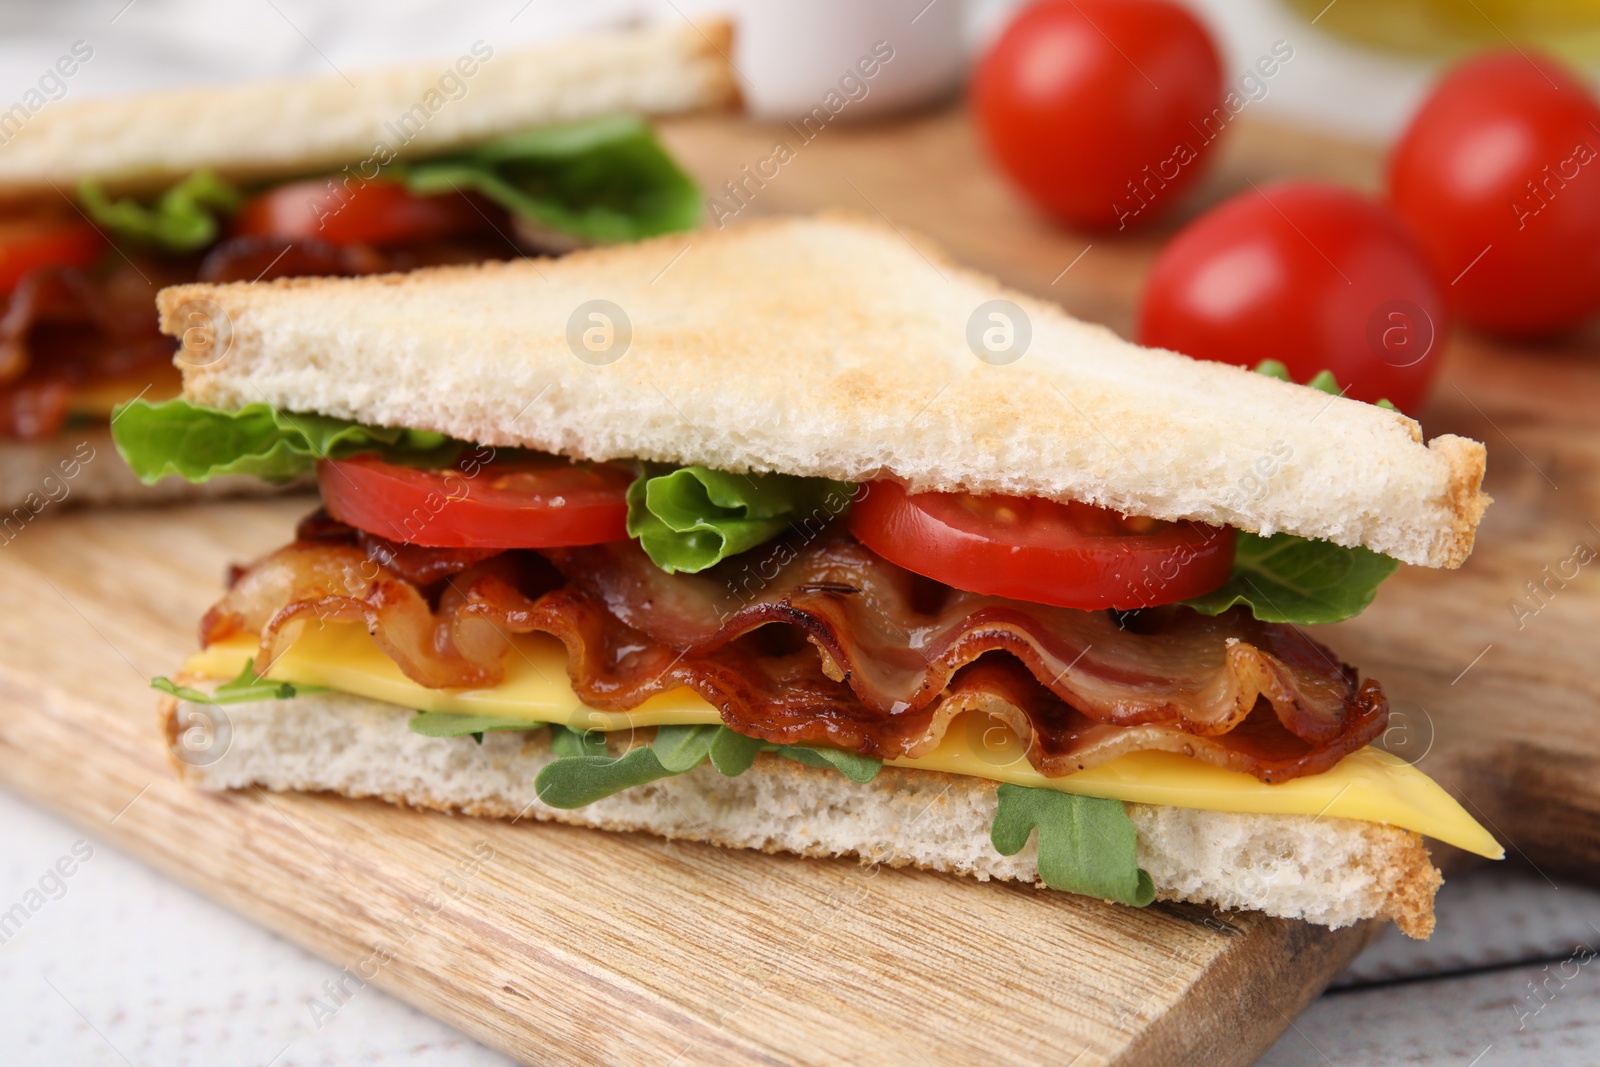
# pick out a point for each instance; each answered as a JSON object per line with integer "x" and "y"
{"x": 126, "y": 967}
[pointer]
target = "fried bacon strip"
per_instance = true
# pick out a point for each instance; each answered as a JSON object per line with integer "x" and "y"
{"x": 839, "y": 646}
{"x": 63, "y": 329}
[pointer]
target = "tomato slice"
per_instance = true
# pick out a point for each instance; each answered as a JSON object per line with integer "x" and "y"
{"x": 512, "y": 500}
{"x": 379, "y": 212}
{"x": 1070, "y": 555}
{"x": 27, "y": 243}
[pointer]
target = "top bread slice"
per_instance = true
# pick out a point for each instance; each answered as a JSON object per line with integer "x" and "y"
{"x": 831, "y": 347}
{"x": 274, "y": 129}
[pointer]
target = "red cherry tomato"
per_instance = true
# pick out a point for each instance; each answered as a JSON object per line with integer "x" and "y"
{"x": 1101, "y": 110}
{"x": 1500, "y": 175}
{"x": 26, "y": 244}
{"x": 509, "y": 501}
{"x": 377, "y": 212}
{"x": 1312, "y": 275}
{"x": 1069, "y": 555}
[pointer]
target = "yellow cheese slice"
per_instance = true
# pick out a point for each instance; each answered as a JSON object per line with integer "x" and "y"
{"x": 1368, "y": 785}
{"x": 342, "y": 656}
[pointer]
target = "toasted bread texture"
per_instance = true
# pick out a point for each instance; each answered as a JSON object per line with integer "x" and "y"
{"x": 1330, "y": 871}
{"x": 835, "y": 347}
{"x": 81, "y": 466}
{"x": 272, "y": 129}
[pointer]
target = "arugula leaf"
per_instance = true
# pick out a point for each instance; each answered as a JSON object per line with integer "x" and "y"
{"x": 693, "y": 517}
{"x": 565, "y": 741}
{"x": 1285, "y": 578}
{"x": 183, "y": 219}
{"x": 681, "y": 749}
{"x": 1086, "y": 844}
{"x": 605, "y": 179}
{"x": 576, "y": 781}
{"x": 1288, "y": 578}
{"x": 247, "y": 685}
{"x": 732, "y": 753}
{"x": 585, "y": 773}
{"x": 436, "y": 724}
{"x": 199, "y": 443}
{"x": 852, "y": 765}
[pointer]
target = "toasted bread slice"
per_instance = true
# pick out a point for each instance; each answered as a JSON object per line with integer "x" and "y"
{"x": 273, "y": 129}
{"x": 831, "y": 347}
{"x": 1330, "y": 871}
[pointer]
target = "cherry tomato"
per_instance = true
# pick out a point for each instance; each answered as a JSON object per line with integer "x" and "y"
{"x": 377, "y": 212}
{"x": 1101, "y": 111}
{"x": 1499, "y": 173}
{"x": 1316, "y": 276}
{"x": 508, "y": 501}
{"x": 1069, "y": 555}
{"x": 26, "y": 244}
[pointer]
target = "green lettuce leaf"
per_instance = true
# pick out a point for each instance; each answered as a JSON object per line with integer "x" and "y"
{"x": 1086, "y": 844}
{"x": 602, "y": 180}
{"x": 247, "y": 685}
{"x": 199, "y": 443}
{"x": 1284, "y": 578}
{"x": 693, "y": 517}
{"x": 182, "y": 219}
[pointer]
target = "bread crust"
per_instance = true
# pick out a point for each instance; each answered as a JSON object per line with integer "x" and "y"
{"x": 1331, "y": 871}
{"x": 835, "y": 347}
{"x": 275, "y": 129}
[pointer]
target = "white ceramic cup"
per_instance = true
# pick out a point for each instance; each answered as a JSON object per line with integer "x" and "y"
{"x": 792, "y": 54}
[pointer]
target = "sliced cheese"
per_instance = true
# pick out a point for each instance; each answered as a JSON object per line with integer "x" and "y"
{"x": 1369, "y": 785}
{"x": 342, "y": 656}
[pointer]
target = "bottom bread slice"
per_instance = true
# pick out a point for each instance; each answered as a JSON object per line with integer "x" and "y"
{"x": 1325, "y": 870}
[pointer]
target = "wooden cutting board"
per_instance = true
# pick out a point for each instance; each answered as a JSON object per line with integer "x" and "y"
{"x": 563, "y": 945}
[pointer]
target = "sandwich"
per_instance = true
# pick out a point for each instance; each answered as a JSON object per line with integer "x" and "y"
{"x": 490, "y": 154}
{"x": 817, "y": 543}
